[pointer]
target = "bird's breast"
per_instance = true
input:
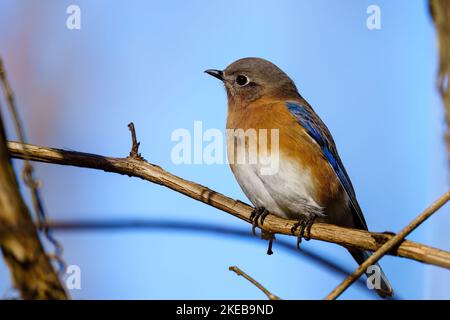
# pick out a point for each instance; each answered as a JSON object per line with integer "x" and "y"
{"x": 300, "y": 180}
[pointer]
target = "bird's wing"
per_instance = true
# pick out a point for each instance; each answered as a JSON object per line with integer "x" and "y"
{"x": 317, "y": 130}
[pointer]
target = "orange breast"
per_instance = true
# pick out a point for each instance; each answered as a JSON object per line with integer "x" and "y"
{"x": 295, "y": 144}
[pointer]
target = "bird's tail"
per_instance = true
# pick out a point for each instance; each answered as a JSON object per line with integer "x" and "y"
{"x": 380, "y": 282}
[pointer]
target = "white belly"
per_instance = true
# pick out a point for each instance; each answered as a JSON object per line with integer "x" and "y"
{"x": 288, "y": 193}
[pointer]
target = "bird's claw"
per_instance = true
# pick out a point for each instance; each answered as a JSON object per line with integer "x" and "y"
{"x": 261, "y": 214}
{"x": 258, "y": 213}
{"x": 305, "y": 224}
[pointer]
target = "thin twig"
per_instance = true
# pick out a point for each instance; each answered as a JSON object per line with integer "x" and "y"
{"x": 239, "y": 272}
{"x": 134, "y": 153}
{"x": 346, "y": 237}
{"x": 394, "y": 241}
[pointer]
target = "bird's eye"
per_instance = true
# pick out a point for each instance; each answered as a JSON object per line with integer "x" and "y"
{"x": 242, "y": 80}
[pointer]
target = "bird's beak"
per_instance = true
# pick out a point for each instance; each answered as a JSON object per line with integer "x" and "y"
{"x": 215, "y": 73}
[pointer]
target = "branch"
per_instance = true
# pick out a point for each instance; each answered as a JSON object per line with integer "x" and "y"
{"x": 440, "y": 12}
{"x": 239, "y": 272}
{"x": 32, "y": 272}
{"x": 394, "y": 241}
{"x": 28, "y": 170}
{"x": 346, "y": 237}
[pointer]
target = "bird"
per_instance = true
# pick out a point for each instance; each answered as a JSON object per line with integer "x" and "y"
{"x": 310, "y": 183}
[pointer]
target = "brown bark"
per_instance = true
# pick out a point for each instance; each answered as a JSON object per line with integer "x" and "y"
{"x": 440, "y": 12}
{"x": 30, "y": 267}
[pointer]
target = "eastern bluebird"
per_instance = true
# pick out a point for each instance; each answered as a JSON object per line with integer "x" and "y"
{"x": 311, "y": 180}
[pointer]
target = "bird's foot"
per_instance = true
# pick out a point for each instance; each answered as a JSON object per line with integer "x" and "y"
{"x": 305, "y": 224}
{"x": 258, "y": 213}
{"x": 261, "y": 214}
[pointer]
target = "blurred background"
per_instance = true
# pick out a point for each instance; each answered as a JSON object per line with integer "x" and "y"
{"x": 143, "y": 61}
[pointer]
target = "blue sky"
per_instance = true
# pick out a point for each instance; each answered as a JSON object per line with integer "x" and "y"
{"x": 143, "y": 61}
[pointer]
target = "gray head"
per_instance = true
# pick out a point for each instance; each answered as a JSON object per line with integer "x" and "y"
{"x": 249, "y": 79}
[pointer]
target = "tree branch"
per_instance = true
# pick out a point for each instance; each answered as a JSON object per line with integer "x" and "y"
{"x": 32, "y": 273}
{"x": 394, "y": 241}
{"x": 138, "y": 168}
{"x": 28, "y": 170}
{"x": 440, "y": 12}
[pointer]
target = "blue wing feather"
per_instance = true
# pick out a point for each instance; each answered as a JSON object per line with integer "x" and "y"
{"x": 315, "y": 128}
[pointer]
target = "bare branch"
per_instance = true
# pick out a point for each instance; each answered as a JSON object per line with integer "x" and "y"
{"x": 239, "y": 272}
{"x": 32, "y": 272}
{"x": 136, "y": 168}
{"x": 385, "y": 248}
{"x": 440, "y": 12}
{"x": 28, "y": 170}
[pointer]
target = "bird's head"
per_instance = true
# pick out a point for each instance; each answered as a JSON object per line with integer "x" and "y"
{"x": 249, "y": 79}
